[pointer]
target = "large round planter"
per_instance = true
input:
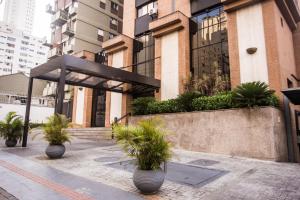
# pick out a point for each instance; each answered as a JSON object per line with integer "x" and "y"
{"x": 148, "y": 181}
{"x": 55, "y": 151}
{"x": 11, "y": 143}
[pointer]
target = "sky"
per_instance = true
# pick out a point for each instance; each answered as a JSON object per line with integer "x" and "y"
{"x": 41, "y": 25}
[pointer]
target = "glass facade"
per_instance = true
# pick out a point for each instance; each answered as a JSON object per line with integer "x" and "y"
{"x": 144, "y": 59}
{"x": 210, "y": 44}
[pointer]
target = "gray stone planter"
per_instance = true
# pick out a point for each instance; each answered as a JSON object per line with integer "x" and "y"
{"x": 148, "y": 181}
{"x": 55, "y": 151}
{"x": 11, "y": 143}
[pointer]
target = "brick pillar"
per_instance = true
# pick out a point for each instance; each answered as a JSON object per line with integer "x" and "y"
{"x": 165, "y": 30}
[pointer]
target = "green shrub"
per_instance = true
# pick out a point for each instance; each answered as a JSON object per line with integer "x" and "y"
{"x": 140, "y": 105}
{"x": 146, "y": 142}
{"x": 54, "y": 130}
{"x": 219, "y": 101}
{"x": 252, "y": 94}
{"x": 168, "y": 106}
{"x": 11, "y": 127}
{"x": 273, "y": 101}
{"x": 185, "y": 101}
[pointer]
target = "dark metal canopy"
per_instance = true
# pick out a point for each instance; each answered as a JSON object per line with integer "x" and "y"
{"x": 75, "y": 71}
{"x": 81, "y": 72}
{"x": 293, "y": 94}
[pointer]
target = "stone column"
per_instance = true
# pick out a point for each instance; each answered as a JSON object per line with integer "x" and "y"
{"x": 172, "y": 48}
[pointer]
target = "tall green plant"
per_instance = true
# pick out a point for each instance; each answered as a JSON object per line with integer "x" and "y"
{"x": 54, "y": 130}
{"x": 185, "y": 100}
{"x": 140, "y": 105}
{"x": 252, "y": 94}
{"x": 11, "y": 127}
{"x": 146, "y": 142}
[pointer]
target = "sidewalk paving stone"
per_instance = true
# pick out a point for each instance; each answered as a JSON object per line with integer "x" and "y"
{"x": 247, "y": 179}
{"x": 30, "y": 180}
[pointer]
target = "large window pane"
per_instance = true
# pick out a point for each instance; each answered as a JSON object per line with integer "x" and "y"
{"x": 210, "y": 45}
{"x": 144, "y": 59}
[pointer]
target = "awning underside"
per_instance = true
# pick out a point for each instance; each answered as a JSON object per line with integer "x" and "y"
{"x": 80, "y": 72}
{"x": 293, "y": 94}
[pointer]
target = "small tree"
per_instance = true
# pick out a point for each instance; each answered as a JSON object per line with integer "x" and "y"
{"x": 146, "y": 142}
{"x": 54, "y": 130}
{"x": 254, "y": 94}
{"x": 11, "y": 128}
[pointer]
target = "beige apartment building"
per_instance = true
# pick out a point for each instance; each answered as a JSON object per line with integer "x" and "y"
{"x": 79, "y": 25}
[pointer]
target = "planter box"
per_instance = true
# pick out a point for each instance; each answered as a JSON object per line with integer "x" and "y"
{"x": 254, "y": 133}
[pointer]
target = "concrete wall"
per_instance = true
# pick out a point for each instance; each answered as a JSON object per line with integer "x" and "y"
{"x": 38, "y": 114}
{"x": 255, "y": 133}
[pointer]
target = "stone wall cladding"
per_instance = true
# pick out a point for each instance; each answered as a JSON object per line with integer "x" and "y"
{"x": 255, "y": 133}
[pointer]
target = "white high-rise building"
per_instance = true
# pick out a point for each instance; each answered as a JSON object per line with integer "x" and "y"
{"x": 20, "y": 52}
{"x": 20, "y": 14}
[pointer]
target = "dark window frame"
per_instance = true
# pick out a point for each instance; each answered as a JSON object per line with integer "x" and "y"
{"x": 102, "y": 5}
{"x": 146, "y": 65}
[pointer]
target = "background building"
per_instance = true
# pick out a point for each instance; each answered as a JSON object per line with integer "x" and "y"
{"x": 79, "y": 27}
{"x": 19, "y": 52}
{"x": 13, "y": 97}
{"x": 19, "y": 14}
{"x": 83, "y": 25}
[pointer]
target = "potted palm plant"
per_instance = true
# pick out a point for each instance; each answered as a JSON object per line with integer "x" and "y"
{"x": 147, "y": 143}
{"x": 11, "y": 129}
{"x": 56, "y": 135}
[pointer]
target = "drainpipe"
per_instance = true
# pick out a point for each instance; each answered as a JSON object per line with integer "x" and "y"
{"x": 288, "y": 128}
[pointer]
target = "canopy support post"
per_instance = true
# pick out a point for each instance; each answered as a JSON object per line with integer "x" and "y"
{"x": 61, "y": 91}
{"x": 27, "y": 114}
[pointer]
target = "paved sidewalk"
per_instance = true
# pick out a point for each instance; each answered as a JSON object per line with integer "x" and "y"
{"x": 28, "y": 180}
{"x": 92, "y": 170}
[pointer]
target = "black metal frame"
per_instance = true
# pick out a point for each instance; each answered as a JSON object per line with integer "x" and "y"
{"x": 87, "y": 74}
{"x": 95, "y": 106}
{"x": 148, "y": 52}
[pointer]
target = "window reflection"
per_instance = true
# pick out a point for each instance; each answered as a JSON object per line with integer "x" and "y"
{"x": 144, "y": 59}
{"x": 210, "y": 44}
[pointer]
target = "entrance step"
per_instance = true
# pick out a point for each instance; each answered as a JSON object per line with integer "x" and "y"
{"x": 99, "y": 133}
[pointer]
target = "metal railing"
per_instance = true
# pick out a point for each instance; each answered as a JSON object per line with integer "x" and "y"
{"x": 118, "y": 120}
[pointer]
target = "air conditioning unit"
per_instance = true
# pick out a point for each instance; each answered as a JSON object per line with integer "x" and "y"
{"x": 153, "y": 12}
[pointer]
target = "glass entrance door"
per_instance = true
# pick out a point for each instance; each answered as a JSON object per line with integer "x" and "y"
{"x": 98, "y": 110}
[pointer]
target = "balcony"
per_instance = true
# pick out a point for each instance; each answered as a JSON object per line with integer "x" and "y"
{"x": 46, "y": 43}
{"x": 68, "y": 49}
{"x": 69, "y": 46}
{"x": 59, "y": 18}
{"x": 49, "y": 9}
{"x": 73, "y": 10}
{"x": 67, "y": 30}
{"x": 54, "y": 52}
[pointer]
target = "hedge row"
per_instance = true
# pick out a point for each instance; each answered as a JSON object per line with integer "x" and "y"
{"x": 192, "y": 102}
